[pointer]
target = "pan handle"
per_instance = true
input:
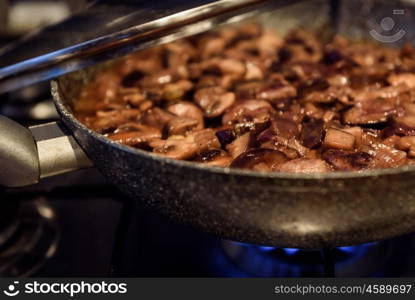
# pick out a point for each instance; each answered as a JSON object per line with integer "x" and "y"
{"x": 27, "y": 155}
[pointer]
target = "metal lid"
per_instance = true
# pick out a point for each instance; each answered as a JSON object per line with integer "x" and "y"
{"x": 115, "y": 28}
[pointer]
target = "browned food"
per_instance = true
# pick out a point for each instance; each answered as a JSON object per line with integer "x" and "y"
{"x": 247, "y": 98}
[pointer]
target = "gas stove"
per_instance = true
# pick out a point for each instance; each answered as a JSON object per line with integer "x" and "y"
{"x": 77, "y": 225}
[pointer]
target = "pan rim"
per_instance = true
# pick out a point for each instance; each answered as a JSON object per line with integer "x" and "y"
{"x": 63, "y": 110}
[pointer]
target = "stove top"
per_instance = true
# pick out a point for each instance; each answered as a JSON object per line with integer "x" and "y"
{"x": 85, "y": 227}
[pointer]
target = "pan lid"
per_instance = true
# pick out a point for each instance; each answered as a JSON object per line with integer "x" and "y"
{"x": 109, "y": 29}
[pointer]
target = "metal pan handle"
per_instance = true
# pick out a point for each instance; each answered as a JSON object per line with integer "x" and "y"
{"x": 27, "y": 155}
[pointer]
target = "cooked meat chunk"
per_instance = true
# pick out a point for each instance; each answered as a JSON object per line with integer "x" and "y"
{"x": 370, "y": 111}
{"x": 404, "y": 78}
{"x": 407, "y": 143}
{"x": 268, "y": 42}
{"x": 215, "y": 157}
{"x": 259, "y": 160}
{"x": 249, "y": 110}
{"x": 214, "y": 100}
{"x": 223, "y": 66}
{"x": 253, "y": 71}
{"x": 187, "y": 110}
{"x": 178, "y": 53}
{"x": 105, "y": 121}
{"x": 210, "y": 46}
{"x": 388, "y": 157}
{"x": 357, "y": 132}
{"x": 239, "y": 145}
{"x": 244, "y": 97}
{"x": 181, "y": 125}
{"x": 176, "y": 91}
{"x": 185, "y": 147}
{"x": 338, "y": 80}
{"x": 329, "y": 95}
{"x": 374, "y": 93}
{"x": 347, "y": 161}
{"x": 226, "y": 136}
{"x": 339, "y": 139}
{"x": 160, "y": 78}
{"x": 284, "y": 127}
{"x": 402, "y": 126}
{"x": 305, "y": 165}
{"x": 136, "y": 135}
{"x": 312, "y": 133}
{"x": 254, "y": 128}
{"x": 275, "y": 91}
{"x": 156, "y": 117}
{"x": 176, "y": 146}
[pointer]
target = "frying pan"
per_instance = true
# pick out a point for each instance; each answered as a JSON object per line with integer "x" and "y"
{"x": 286, "y": 210}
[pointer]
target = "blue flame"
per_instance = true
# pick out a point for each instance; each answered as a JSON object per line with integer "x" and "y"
{"x": 266, "y": 248}
{"x": 356, "y": 249}
{"x": 290, "y": 251}
{"x": 247, "y": 260}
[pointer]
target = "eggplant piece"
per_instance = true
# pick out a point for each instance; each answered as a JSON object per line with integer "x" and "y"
{"x": 347, "y": 161}
{"x": 225, "y": 136}
{"x": 284, "y": 127}
{"x": 312, "y": 132}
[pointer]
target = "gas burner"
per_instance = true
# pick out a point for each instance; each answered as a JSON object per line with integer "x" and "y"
{"x": 360, "y": 260}
{"x": 9, "y": 219}
{"x": 32, "y": 241}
